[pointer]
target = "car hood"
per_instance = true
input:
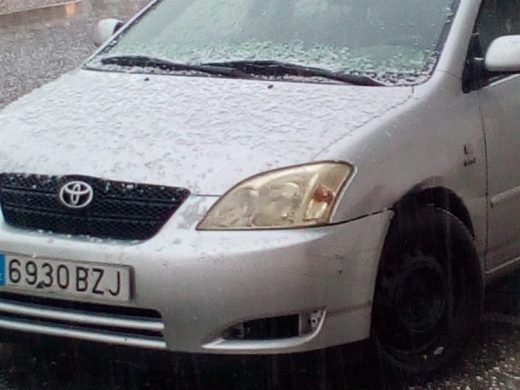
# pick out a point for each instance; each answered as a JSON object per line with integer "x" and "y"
{"x": 202, "y": 133}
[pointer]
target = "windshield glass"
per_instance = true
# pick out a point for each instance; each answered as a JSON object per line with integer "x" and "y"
{"x": 395, "y": 40}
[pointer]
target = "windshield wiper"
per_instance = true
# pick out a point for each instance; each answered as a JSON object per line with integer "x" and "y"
{"x": 278, "y": 68}
{"x": 144, "y": 61}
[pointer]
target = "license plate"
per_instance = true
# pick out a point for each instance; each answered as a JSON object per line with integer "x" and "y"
{"x": 65, "y": 278}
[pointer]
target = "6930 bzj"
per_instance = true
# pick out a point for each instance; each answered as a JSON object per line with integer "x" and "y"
{"x": 65, "y": 278}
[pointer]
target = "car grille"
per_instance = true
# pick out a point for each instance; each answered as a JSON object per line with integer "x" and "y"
{"x": 86, "y": 321}
{"x": 118, "y": 210}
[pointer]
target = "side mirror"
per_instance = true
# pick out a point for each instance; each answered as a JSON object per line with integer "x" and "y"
{"x": 106, "y": 28}
{"x": 503, "y": 55}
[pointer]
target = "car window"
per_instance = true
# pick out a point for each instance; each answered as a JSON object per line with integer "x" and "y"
{"x": 377, "y": 37}
{"x": 497, "y": 18}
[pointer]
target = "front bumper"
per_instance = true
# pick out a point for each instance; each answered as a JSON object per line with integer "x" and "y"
{"x": 203, "y": 282}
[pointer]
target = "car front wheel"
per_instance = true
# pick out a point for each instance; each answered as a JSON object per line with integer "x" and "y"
{"x": 429, "y": 293}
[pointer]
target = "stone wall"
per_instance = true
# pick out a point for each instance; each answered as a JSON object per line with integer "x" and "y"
{"x": 11, "y": 6}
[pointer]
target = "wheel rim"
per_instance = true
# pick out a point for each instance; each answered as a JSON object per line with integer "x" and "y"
{"x": 415, "y": 306}
{"x": 421, "y": 297}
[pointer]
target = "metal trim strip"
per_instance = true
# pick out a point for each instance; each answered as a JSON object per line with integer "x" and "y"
{"x": 82, "y": 335}
{"x": 80, "y": 318}
{"x": 505, "y": 196}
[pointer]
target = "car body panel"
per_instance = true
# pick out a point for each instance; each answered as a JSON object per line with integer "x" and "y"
{"x": 150, "y": 131}
{"x": 419, "y": 145}
{"x": 500, "y": 105}
{"x": 200, "y": 290}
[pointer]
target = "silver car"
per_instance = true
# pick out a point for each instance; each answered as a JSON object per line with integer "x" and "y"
{"x": 268, "y": 177}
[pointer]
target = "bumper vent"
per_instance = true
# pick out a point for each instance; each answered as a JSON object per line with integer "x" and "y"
{"x": 117, "y": 210}
{"x": 85, "y": 321}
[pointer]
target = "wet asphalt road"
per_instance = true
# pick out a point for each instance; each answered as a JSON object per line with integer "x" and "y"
{"x": 37, "y": 47}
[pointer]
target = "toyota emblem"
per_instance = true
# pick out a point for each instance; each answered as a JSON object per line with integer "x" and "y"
{"x": 76, "y": 194}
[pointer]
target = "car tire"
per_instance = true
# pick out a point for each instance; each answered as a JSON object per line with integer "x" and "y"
{"x": 429, "y": 294}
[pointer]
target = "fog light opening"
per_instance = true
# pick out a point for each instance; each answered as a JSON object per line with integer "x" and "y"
{"x": 309, "y": 322}
{"x": 275, "y": 328}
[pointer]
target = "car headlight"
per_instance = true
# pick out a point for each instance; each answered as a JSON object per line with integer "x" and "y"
{"x": 300, "y": 196}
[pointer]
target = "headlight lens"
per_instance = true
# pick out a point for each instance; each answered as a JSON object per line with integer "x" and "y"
{"x": 299, "y": 196}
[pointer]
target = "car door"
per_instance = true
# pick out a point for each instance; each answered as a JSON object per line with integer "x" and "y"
{"x": 500, "y": 108}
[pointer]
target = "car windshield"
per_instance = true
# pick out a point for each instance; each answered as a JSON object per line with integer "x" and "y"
{"x": 395, "y": 41}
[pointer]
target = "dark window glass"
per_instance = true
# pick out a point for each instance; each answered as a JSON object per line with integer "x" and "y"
{"x": 497, "y": 18}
